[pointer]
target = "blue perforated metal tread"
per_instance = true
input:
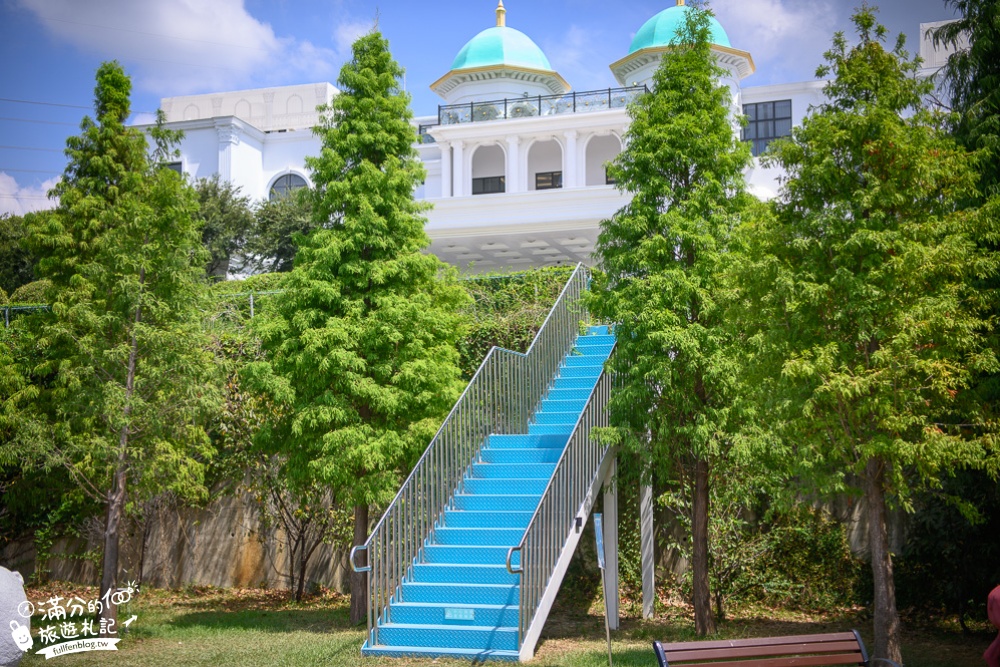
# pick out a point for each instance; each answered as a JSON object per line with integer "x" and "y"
{"x": 459, "y": 600}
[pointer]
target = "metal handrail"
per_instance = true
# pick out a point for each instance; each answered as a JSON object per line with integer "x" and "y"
{"x": 557, "y": 511}
{"x": 501, "y": 398}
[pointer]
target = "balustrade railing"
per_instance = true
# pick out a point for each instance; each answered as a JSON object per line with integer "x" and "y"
{"x": 539, "y": 105}
{"x": 500, "y": 398}
{"x": 557, "y": 512}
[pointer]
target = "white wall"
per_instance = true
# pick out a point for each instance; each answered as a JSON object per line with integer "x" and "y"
{"x": 543, "y": 156}
{"x": 488, "y": 161}
{"x": 600, "y": 150}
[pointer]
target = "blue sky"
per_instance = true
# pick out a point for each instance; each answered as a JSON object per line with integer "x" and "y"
{"x": 174, "y": 47}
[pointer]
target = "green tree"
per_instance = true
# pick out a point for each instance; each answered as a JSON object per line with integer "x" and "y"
{"x": 225, "y": 218}
{"x": 866, "y": 321}
{"x": 124, "y": 375}
{"x": 17, "y": 263}
{"x": 362, "y": 352}
{"x": 278, "y": 225}
{"x": 662, "y": 257}
{"x": 972, "y": 78}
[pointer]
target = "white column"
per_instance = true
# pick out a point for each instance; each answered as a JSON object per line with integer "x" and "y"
{"x": 229, "y": 136}
{"x": 445, "y": 168}
{"x": 611, "y": 545}
{"x": 569, "y": 160}
{"x": 458, "y": 172}
{"x": 646, "y": 550}
{"x": 513, "y": 175}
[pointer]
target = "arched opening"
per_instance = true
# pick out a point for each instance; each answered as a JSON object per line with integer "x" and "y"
{"x": 294, "y": 105}
{"x": 192, "y": 112}
{"x": 545, "y": 165}
{"x": 600, "y": 151}
{"x": 489, "y": 169}
{"x": 285, "y": 184}
{"x": 243, "y": 110}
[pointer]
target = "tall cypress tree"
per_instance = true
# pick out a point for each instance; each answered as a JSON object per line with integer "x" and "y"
{"x": 123, "y": 373}
{"x": 363, "y": 351}
{"x": 863, "y": 289}
{"x": 662, "y": 258}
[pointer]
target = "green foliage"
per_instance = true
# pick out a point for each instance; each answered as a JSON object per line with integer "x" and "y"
{"x": 861, "y": 283}
{"x": 33, "y": 293}
{"x": 507, "y": 311}
{"x": 279, "y": 225}
{"x": 860, "y": 297}
{"x": 662, "y": 254}
{"x": 17, "y": 263}
{"x": 972, "y": 76}
{"x": 361, "y": 354}
{"x": 225, "y": 218}
{"x": 951, "y": 560}
{"x": 124, "y": 374}
{"x": 3, "y": 297}
{"x": 662, "y": 257}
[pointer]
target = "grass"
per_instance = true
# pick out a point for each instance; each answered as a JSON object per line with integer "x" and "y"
{"x": 210, "y": 627}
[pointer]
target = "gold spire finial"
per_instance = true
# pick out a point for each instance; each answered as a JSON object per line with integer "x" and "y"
{"x": 501, "y": 15}
{"x": 680, "y": 3}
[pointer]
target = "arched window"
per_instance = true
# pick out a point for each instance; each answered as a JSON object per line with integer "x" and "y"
{"x": 285, "y": 184}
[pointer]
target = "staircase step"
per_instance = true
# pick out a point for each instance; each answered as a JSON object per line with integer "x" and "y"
{"x": 496, "y": 503}
{"x": 544, "y": 417}
{"x": 469, "y": 555}
{"x": 595, "y": 340}
{"x": 496, "y": 487}
{"x": 515, "y": 471}
{"x": 461, "y": 593}
{"x": 525, "y": 440}
{"x": 552, "y": 405}
{"x": 435, "y": 614}
{"x": 574, "y": 383}
{"x": 496, "y": 537}
{"x": 475, "y": 637}
{"x": 551, "y": 428}
{"x": 567, "y": 395}
{"x": 593, "y": 371}
{"x": 463, "y": 573}
{"x": 473, "y": 519}
{"x": 548, "y": 455}
{"x": 473, "y": 655}
{"x": 583, "y": 361}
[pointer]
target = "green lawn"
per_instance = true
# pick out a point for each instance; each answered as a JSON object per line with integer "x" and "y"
{"x": 249, "y": 628}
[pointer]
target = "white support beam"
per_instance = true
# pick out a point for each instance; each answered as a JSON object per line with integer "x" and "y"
{"x": 646, "y": 550}
{"x": 611, "y": 545}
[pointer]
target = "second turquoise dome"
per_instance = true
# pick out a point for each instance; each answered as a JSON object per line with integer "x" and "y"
{"x": 501, "y": 46}
{"x": 661, "y": 30}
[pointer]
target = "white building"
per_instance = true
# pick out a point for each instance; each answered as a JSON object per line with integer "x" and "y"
{"x": 515, "y": 159}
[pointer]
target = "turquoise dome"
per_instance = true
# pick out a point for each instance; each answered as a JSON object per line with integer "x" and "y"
{"x": 661, "y": 30}
{"x": 501, "y": 46}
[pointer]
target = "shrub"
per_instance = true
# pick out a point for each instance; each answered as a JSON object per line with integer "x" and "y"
{"x": 31, "y": 294}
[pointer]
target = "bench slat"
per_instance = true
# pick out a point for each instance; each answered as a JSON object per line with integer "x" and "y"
{"x": 799, "y": 661}
{"x": 762, "y": 651}
{"x": 763, "y": 641}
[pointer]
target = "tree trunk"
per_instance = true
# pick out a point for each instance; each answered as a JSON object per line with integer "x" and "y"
{"x": 887, "y": 628}
{"x": 704, "y": 623}
{"x": 109, "y": 566}
{"x": 359, "y": 591}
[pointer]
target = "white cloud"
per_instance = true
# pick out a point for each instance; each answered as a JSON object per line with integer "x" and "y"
{"x": 185, "y": 46}
{"x": 787, "y": 38}
{"x": 348, "y": 32}
{"x": 579, "y": 57}
{"x": 18, "y": 199}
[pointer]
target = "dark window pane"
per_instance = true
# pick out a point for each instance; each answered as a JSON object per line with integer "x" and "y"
{"x": 783, "y": 128}
{"x": 751, "y": 111}
{"x": 765, "y": 111}
{"x": 783, "y": 109}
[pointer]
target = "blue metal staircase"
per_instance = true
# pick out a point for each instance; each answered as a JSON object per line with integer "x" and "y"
{"x": 461, "y": 585}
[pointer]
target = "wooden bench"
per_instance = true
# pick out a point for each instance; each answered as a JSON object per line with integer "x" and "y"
{"x": 839, "y": 648}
